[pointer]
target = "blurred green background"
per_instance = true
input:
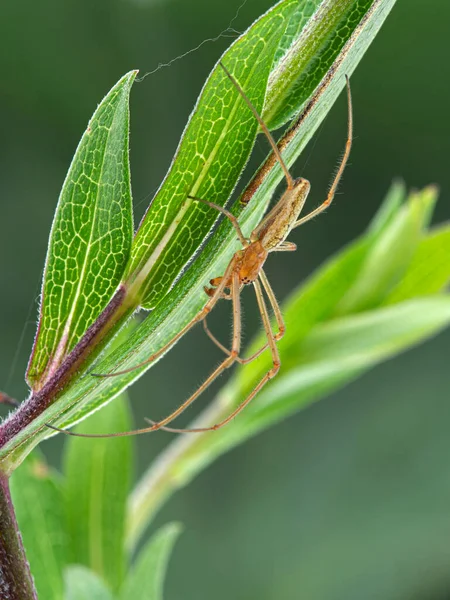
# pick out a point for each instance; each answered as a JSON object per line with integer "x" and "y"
{"x": 351, "y": 498}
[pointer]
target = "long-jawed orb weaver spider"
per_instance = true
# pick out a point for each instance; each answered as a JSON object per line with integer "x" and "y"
{"x": 246, "y": 268}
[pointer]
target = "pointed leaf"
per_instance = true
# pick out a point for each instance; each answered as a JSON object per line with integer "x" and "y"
{"x": 331, "y": 32}
{"x": 429, "y": 271}
{"x": 329, "y": 357}
{"x": 146, "y": 579}
{"x": 341, "y": 349}
{"x": 98, "y": 477}
{"x": 391, "y": 255}
{"x": 301, "y": 16}
{"x": 395, "y": 198}
{"x": 38, "y": 502}
{"x": 91, "y": 235}
{"x": 319, "y": 353}
{"x": 82, "y": 583}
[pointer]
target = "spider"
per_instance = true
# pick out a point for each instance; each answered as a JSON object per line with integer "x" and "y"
{"x": 246, "y": 268}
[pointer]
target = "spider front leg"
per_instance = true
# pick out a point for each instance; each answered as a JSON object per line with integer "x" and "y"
{"x": 214, "y": 283}
{"x": 343, "y": 163}
{"x": 229, "y": 216}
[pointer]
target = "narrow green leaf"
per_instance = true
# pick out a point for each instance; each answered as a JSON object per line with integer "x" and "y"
{"x": 332, "y": 30}
{"x": 329, "y": 357}
{"x": 91, "y": 235}
{"x": 212, "y": 153}
{"x": 301, "y": 16}
{"x": 83, "y": 584}
{"x": 98, "y": 477}
{"x": 391, "y": 255}
{"x": 365, "y": 338}
{"x": 338, "y": 351}
{"x": 317, "y": 298}
{"x": 429, "y": 271}
{"x": 146, "y": 579}
{"x": 395, "y": 198}
{"x": 38, "y": 502}
{"x": 319, "y": 354}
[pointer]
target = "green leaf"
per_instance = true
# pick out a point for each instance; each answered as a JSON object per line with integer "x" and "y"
{"x": 38, "y": 502}
{"x": 429, "y": 271}
{"x": 212, "y": 153}
{"x": 395, "y": 198}
{"x": 187, "y": 296}
{"x": 319, "y": 353}
{"x": 81, "y": 584}
{"x": 391, "y": 255}
{"x": 146, "y": 579}
{"x": 91, "y": 235}
{"x": 301, "y": 16}
{"x": 98, "y": 476}
{"x": 332, "y": 355}
{"x": 319, "y": 295}
{"x": 331, "y": 32}
{"x": 335, "y": 352}
{"x": 168, "y": 238}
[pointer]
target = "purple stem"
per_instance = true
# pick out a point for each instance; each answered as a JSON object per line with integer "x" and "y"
{"x": 16, "y": 582}
{"x": 91, "y": 343}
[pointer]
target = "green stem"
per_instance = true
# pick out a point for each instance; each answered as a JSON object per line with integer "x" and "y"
{"x": 174, "y": 468}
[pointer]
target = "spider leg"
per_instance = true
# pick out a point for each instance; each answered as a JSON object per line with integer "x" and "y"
{"x": 229, "y": 216}
{"x": 328, "y": 200}
{"x": 241, "y": 361}
{"x": 278, "y": 316}
{"x": 225, "y": 364}
{"x": 215, "y": 296}
{"x": 229, "y": 360}
{"x": 262, "y": 382}
{"x": 285, "y": 247}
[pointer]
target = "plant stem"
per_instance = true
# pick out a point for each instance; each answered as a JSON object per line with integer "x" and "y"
{"x": 16, "y": 582}
{"x": 95, "y": 338}
{"x": 174, "y": 468}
